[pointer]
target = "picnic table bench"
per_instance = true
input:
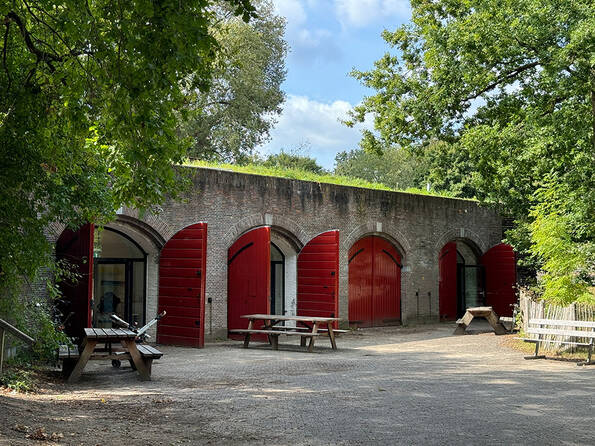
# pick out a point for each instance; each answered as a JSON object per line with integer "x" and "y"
{"x": 485, "y": 312}
{"x": 311, "y": 328}
{"x": 541, "y": 328}
{"x": 141, "y": 356}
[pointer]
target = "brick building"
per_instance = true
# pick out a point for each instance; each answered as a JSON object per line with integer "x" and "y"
{"x": 238, "y": 243}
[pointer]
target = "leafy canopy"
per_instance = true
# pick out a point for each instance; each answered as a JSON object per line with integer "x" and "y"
{"x": 502, "y": 94}
{"x": 237, "y": 113}
{"x": 88, "y": 98}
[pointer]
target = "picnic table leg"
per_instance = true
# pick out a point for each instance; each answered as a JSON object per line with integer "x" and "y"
{"x": 274, "y": 341}
{"x": 314, "y": 331}
{"x": 247, "y": 335}
{"x": 82, "y": 362}
{"x": 331, "y": 334}
{"x": 141, "y": 367}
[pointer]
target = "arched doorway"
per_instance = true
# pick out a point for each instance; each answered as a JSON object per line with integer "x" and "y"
{"x": 119, "y": 278}
{"x": 374, "y": 283}
{"x": 469, "y": 279}
{"x": 265, "y": 272}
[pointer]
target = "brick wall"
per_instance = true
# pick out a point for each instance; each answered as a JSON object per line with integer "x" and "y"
{"x": 418, "y": 226}
{"x": 297, "y": 211}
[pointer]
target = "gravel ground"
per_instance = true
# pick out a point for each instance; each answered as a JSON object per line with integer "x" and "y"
{"x": 383, "y": 386}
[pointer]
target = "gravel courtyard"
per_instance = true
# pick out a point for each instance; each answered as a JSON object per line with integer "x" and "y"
{"x": 383, "y": 386}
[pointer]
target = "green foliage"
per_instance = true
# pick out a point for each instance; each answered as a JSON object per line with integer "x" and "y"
{"x": 304, "y": 175}
{"x": 500, "y": 98}
{"x": 237, "y": 113}
{"x": 19, "y": 380}
{"x": 395, "y": 167}
{"x": 89, "y": 100}
{"x": 293, "y": 160}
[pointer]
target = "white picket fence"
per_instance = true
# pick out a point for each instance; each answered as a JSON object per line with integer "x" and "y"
{"x": 536, "y": 309}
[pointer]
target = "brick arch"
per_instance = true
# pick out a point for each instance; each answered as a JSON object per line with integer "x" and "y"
{"x": 284, "y": 226}
{"x": 151, "y": 226}
{"x": 463, "y": 234}
{"x": 388, "y": 232}
{"x": 156, "y": 227}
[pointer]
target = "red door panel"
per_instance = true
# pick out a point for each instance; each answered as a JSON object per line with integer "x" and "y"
{"x": 374, "y": 283}
{"x": 387, "y": 283}
{"x": 77, "y": 248}
{"x": 447, "y": 286}
{"x": 318, "y": 276}
{"x": 361, "y": 282}
{"x": 500, "y": 278}
{"x": 248, "y": 278}
{"x": 182, "y": 276}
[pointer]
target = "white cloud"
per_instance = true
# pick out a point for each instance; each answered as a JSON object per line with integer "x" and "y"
{"x": 308, "y": 44}
{"x": 360, "y": 13}
{"x": 308, "y": 121}
{"x": 292, "y": 10}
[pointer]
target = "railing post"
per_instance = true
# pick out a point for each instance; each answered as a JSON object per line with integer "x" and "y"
{"x": 1, "y": 348}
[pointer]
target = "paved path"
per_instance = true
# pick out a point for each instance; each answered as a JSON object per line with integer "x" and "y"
{"x": 386, "y": 386}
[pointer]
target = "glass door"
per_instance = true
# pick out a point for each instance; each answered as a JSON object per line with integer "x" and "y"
{"x": 110, "y": 293}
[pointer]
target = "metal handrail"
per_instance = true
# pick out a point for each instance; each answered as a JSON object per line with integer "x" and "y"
{"x": 6, "y": 327}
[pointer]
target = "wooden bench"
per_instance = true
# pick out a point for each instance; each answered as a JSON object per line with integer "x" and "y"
{"x": 70, "y": 356}
{"x": 561, "y": 328}
{"x": 320, "y": 330}
{"x": 274, "y": 335}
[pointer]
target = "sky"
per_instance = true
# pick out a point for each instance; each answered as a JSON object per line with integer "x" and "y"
{"x": 327, "y": 39}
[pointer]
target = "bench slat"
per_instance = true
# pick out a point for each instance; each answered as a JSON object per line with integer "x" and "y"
{"x": 274, "y": 332}
{"x": 584, "y": 344}
{"x": 553, "y": 331}
{"x": 565, "y": 323}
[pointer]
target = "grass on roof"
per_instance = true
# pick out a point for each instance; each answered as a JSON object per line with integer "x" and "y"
{"x": 304, "y": 175}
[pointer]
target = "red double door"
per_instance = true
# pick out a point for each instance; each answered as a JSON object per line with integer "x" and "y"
{"x": 374, "y": 283}
{"x": 496, "y": 274}
{"x": 249, "y": 276}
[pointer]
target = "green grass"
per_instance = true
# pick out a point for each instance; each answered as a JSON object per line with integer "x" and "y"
{"x": 303, "y": 175}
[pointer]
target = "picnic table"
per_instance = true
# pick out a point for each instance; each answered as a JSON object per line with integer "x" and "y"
{"x": 108, "y": 344}
{"x": 310, "y": 327}
{"x": 480, "y": 312}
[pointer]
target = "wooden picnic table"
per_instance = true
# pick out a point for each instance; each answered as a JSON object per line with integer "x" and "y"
{"x": 310, "y": 327}
{"x": 98, "y": 344}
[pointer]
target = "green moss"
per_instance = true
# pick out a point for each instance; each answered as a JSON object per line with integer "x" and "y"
{"x": 303, "y": 175}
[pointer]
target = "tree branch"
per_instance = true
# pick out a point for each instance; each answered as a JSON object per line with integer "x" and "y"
{"x": 4, "y": 46}
{"x": 508, "y": 76}
{"x": 41, "y": 55}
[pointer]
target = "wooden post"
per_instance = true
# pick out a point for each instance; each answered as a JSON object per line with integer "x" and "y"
{"x": 1, "y": 348}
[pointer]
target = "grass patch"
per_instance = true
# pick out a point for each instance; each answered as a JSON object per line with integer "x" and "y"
{"x": 304, "y": 175}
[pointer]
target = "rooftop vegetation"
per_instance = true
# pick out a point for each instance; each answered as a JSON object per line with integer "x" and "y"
{"x": 304, "y": 175}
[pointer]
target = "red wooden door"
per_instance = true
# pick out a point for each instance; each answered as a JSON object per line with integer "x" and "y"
{"x": 361, "y": 282}
{"x": 374, "y": 283}
{"x": 318, "y": 276}
{"x": 447, "y": 288}
{"x": 500, "y": 278}
{"x": 76, "y": 247}
{"x": 248, "y": 277}
{"x": 182, "y": 274}
{"x": 386, "y": 300}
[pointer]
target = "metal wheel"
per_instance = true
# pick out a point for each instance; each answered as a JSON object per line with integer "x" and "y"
{"x": 116, "y": 363}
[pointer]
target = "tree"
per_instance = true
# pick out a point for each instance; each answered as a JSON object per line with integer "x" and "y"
{"x": 394, "y": 167}
{"x": 88, "y": 95}
{"x": 293, "y": 159}
{"x": 511, "y": 86}
{"x": 239, "y": 110}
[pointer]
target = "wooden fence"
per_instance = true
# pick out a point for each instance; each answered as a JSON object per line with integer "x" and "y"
{"x": 536, "y": 309}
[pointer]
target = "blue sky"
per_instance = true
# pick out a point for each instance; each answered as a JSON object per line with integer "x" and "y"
{"x": 327, "y": 39}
